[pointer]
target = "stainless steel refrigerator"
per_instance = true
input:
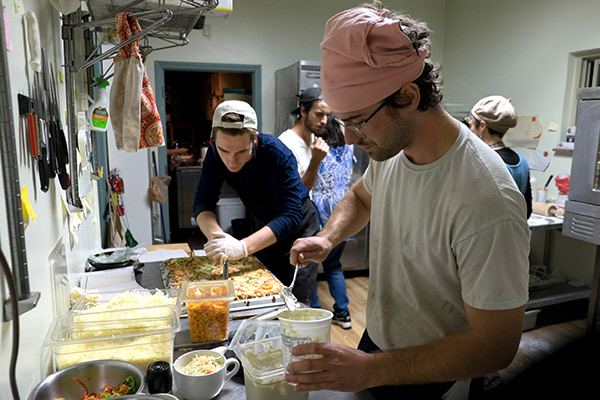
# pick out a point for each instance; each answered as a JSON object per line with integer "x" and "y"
{"x": 289, "y": 83}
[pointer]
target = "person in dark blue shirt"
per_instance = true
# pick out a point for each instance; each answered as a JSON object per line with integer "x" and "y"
{"x": 264, "y": 173}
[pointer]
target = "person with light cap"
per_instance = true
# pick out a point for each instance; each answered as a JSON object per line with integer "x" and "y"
{"x": 490, "y": 119}
{"x": 308, "y": 149}
{"x": 448, "y": 233}
{"x": 263, "y": 172}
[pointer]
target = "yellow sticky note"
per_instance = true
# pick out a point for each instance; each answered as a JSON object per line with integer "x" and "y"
{"x": 19, "y": 7}
{"x": 26, "y": 205}
{"x": 553, "y": 126}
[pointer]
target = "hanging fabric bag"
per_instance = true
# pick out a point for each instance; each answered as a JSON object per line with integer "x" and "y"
{"x": 134, "y": 115}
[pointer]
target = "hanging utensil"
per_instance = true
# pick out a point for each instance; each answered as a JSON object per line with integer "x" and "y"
{"x": 62, "y": 151}
{"x": 40, "y": 130}
{"x": 45, "y": 110}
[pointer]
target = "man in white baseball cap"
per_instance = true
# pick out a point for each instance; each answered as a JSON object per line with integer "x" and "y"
{"x": 263, "y": 172}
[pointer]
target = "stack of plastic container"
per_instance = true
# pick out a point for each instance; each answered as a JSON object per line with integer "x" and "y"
{"x": 139, "y": 335}
{"x": 258, "y": 345}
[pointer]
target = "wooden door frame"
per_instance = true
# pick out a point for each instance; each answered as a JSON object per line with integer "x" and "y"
{"x": 160, "y": 67}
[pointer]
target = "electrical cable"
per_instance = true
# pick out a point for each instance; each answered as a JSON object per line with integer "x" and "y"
{"x": 15, "y": 324}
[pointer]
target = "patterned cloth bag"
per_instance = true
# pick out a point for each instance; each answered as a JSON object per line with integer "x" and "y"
{"x": 134, "y": 116}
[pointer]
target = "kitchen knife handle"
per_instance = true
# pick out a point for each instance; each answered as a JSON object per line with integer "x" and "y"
{"x": 33, "y": 145}
{"x": 43, "y": 170}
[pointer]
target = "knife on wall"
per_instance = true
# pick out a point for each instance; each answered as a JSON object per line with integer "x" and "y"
{"x": 41, "y": 132}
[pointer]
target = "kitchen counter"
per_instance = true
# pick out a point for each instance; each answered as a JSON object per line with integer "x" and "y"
{"x": 234, "y": 389}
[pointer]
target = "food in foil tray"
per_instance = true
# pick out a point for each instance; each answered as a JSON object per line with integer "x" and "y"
{"x": 250, "y": 277}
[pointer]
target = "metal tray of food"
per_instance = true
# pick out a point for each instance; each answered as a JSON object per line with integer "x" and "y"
{"x": 270, "y": 300}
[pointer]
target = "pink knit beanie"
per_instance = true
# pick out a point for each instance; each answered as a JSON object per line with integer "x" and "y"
{"x": 366, "y": 57}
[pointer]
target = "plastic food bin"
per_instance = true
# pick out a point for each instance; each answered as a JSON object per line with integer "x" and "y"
{"x": 139, "y": 299}
{"x": 139, "y": 336}
{"x": 207, "y": 304}
{"x": 258, "y": 345}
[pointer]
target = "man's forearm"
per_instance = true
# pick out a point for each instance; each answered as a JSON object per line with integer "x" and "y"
{"x": 350, "y": 215}
{"x": 207, "y": 222}
{"x": 455, "y": 357}
{"x": 260, "y": 239}
{"x": 310, "y": 175}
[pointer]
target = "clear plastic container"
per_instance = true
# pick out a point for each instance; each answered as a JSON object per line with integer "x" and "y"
{"x": 207, "y": 304}
{"x": 139, "y": 299}
{"x": 258, "y": 345}
{"x": 139, "y": 336}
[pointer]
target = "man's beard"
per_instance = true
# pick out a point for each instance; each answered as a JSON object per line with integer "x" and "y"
{"x": 397, "y": 137}
{"x": 313, "y": 127}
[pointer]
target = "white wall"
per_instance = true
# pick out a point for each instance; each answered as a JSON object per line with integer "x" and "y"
{"x": 52, "y": 224}
{"x": 520, "y": 49}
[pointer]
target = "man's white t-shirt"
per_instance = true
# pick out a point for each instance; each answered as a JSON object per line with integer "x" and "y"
{"x": 441, "y": 234}
{"x": 301, "y": 151}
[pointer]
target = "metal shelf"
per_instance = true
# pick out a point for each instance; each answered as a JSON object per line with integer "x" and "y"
{"x": 168, "y": 20}
{"x": 555, "y": 294}
{"x": 171, "y": 21}
{"x": 185, "y": 13}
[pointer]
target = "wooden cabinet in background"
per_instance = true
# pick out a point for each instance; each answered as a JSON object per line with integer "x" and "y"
{"x": 215, "y": 84}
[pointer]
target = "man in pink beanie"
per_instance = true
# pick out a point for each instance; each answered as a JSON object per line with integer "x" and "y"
{"x": 449, "y": 241}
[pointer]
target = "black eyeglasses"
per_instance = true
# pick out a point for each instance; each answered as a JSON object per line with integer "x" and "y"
{"x": 357, "y": 129}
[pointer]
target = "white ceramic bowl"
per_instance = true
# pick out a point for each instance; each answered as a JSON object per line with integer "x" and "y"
{"x": 203, "y": 387}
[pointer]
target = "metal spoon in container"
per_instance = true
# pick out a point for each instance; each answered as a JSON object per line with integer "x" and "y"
{"x": 289, "y": 299}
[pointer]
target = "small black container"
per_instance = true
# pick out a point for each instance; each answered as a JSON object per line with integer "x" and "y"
{"x": 159, "y": 377}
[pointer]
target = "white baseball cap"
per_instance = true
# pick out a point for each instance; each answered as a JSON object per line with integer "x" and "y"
{"x": 236, "y": 107}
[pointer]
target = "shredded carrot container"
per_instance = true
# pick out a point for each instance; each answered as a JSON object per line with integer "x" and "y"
{"x": 207, "y": 304}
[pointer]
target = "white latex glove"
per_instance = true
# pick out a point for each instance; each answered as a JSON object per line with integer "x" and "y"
{"x": 225, "y": 245}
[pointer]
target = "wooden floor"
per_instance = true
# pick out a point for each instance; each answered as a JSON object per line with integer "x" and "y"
{"x": 357, "y": 293}
{"x": 556, "y": 326}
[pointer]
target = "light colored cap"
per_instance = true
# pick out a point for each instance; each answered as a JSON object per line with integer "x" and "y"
{"x": 497, "y": 112}
{"x": 236, "y": 107}
{"x": 366, "y": 57}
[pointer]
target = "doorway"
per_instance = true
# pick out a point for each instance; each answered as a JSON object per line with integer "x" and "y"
{"x": 190, "y": 93}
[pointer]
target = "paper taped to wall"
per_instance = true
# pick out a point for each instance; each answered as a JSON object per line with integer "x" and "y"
{"x": 539, "y": 160}
{"x": 526, "y": 134}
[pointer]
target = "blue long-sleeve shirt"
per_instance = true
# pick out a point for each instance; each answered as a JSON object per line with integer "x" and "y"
{"x": 269, "y": 185}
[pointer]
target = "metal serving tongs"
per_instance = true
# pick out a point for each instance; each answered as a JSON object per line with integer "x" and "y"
{"x": 225, "y": 267}
{"x": 289, "y": 299}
